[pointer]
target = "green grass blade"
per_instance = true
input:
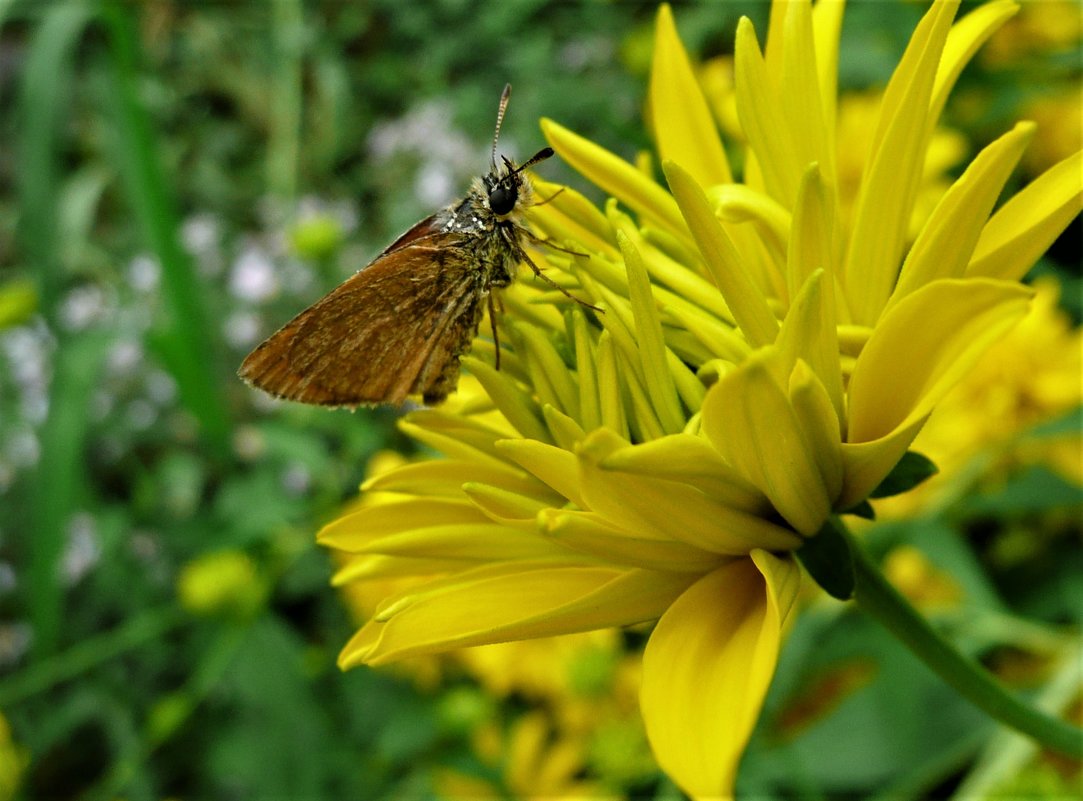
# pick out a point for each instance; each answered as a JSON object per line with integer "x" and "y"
{"x": 184, "y": 342}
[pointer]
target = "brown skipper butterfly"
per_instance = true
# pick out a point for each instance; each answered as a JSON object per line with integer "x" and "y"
{"x": 399, "y": 326}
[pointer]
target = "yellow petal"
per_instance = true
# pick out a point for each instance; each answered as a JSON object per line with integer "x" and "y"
{"x": 445, "y": 477}
{"x": 683, "y": 126}
{"x": 652, "y": 347}
{"x": 751, "y": 422}
{"x": 520, "y": 408}
{"x": 743, "y": 297}
{"x": 826, "y": 27}
{"x": 762, "y": 117}
{"x": 511, "y": 601}
{"x": 1024, "y": 227}
{"x": 707, "y": 667}
{"x": 866, "y": 464}
{"x": 352, "y": 531}
{"x": 670, "y": 510}
{"x": 590, "y": 533}
{"x": 888, "y": 189}
{"x": 810, "y": 333}
{"x": 966, "y": 36}
{"x": 556, "y": 467}
{"x": 946, "y": 242}
{"x": 923, "y": 346}
{"x": 615, "y": 176}
{"x": 691, "y": 460}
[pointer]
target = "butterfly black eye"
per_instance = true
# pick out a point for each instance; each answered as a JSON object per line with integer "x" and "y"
{"x": 502, "y": 199}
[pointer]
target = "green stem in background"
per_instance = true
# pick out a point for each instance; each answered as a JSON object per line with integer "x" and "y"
{"x": 283, "y": 147}
{"x": 881, "y": 601}
{"x": 185, "y": 341}
{"x": 77, "y": 660}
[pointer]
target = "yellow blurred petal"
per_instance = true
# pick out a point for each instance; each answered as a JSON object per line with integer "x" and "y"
{"x": 946, "y": 242}
{"x": 683, "y": 127}
{"x": 923, "y": 345}
{"x": 670, "y": 510}
{"x": 749, "y": 419}
{"x": 501, "y": 602}
{"x": 615, "y": 176}
{"x": 743, "y": 297}
{"x": 707, "y": 667}
{"x": 1024, "y": 227}
{"x": 885, "y": 200}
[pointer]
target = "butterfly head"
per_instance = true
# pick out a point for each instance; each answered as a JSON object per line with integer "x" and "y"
{"x": 504, "y": 185}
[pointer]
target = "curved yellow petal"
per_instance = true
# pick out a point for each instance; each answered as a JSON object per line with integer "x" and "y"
{"x": 966, "y": 36}
{"x": 670, "y": 510}
{"x": 888, "y": 189}
{"x": 761, "y": 117}
{"x": 683, "y": 127}
{"x": 923, "y": 345}
{"x": 1024, "y": 227}
{"x": 590, "y": 533}
{"x": 749, "y": 418}
{"x": 946, "y": 242}
{"x": 511, "y": 601}
{"x": 615, "y": 176}
{"x": 744, "y": 299}
{"x": 707, "y": 667}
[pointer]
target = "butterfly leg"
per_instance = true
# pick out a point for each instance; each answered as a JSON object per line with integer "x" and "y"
{"x": 496, "y": 336}
{"x": 554, "y": 284}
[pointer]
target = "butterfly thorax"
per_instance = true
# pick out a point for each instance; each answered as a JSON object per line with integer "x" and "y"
{"x": 489, "y": 220}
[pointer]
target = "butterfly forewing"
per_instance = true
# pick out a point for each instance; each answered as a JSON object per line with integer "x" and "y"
{"x": 395, "y": 328}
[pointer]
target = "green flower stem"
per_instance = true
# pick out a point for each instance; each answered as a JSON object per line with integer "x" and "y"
{"x": 879, "y": 599}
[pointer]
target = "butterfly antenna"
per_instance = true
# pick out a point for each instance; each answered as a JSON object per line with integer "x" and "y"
{"x": 541, "y": 155}
{"x": 500, "y": 119}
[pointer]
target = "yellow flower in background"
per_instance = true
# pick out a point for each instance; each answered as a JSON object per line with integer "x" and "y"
{"x": 763, "y": 361}
{"x": 221, "y": 583}
{"x": 13, "y": 761}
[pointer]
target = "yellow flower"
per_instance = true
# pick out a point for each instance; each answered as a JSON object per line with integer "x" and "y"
{"x": 224, "y": 582}
{"x": 13, "y": 761}
{"x": 761, "y": 363}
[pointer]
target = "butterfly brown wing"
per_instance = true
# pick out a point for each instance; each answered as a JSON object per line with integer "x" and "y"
{"x": 396, "y": 327}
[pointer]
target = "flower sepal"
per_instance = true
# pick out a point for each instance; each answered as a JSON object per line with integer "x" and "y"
{"x": 913, "y": 468}
{"x": 829, "y": 560}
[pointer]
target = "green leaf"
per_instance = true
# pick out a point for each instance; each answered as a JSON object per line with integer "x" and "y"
{"x": 912, "y": 469}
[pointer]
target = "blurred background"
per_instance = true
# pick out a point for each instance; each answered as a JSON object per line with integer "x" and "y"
{"x": 178, "y": 179}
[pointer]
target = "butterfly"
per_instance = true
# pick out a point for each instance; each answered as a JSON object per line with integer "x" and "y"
{"x": 399, "y": 326}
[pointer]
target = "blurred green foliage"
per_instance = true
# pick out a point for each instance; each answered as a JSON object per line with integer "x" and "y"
{"x": 176, "y": 180}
